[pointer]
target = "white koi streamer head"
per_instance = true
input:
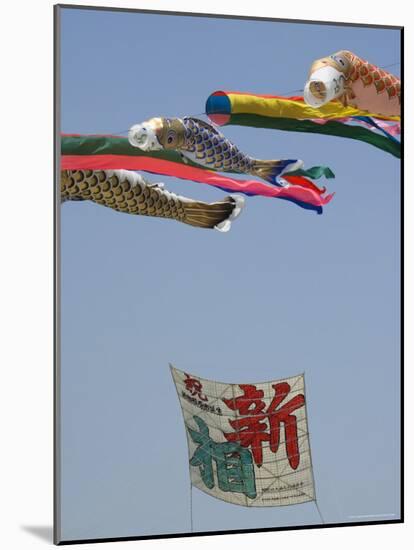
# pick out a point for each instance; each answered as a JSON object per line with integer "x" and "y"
{"x": 327, "y": 79}
{"x": 144, "y": 136}
{"x": 324, "y": 85}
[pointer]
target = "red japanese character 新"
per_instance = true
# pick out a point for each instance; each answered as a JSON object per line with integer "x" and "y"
{"x": 251, "y": 430}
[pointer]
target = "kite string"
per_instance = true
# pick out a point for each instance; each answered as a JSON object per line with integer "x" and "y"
{"x": 191, "y": 506}
{"x": 381, "y": 67}
{"x": 319, "y": 511}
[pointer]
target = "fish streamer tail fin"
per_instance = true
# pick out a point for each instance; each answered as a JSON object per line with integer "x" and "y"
{"x": 271, "y": 170}
{"x": 217, "y": 215}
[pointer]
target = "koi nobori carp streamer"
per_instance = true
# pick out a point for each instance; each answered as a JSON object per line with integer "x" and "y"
{"x": 103, "y": 152}
{"x": 127, "y": 191}
{"x": 353, "y": 81}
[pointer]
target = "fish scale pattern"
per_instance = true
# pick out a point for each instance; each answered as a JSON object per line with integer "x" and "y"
{"x": 213, "y": 150}
{"x": 127, "y": 191}
{"x": 371, "y": 74}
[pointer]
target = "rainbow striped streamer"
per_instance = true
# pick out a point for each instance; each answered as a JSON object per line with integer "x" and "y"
{"x": 294, "y": 115}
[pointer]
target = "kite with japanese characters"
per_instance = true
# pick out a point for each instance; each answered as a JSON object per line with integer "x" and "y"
{"x": 248, "y": 443}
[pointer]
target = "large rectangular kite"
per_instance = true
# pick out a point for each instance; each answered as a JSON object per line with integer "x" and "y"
{"x": 248, "y": 443}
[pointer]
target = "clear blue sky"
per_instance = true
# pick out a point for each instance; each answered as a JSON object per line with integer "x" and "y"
{"x": 286, "y": 291}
